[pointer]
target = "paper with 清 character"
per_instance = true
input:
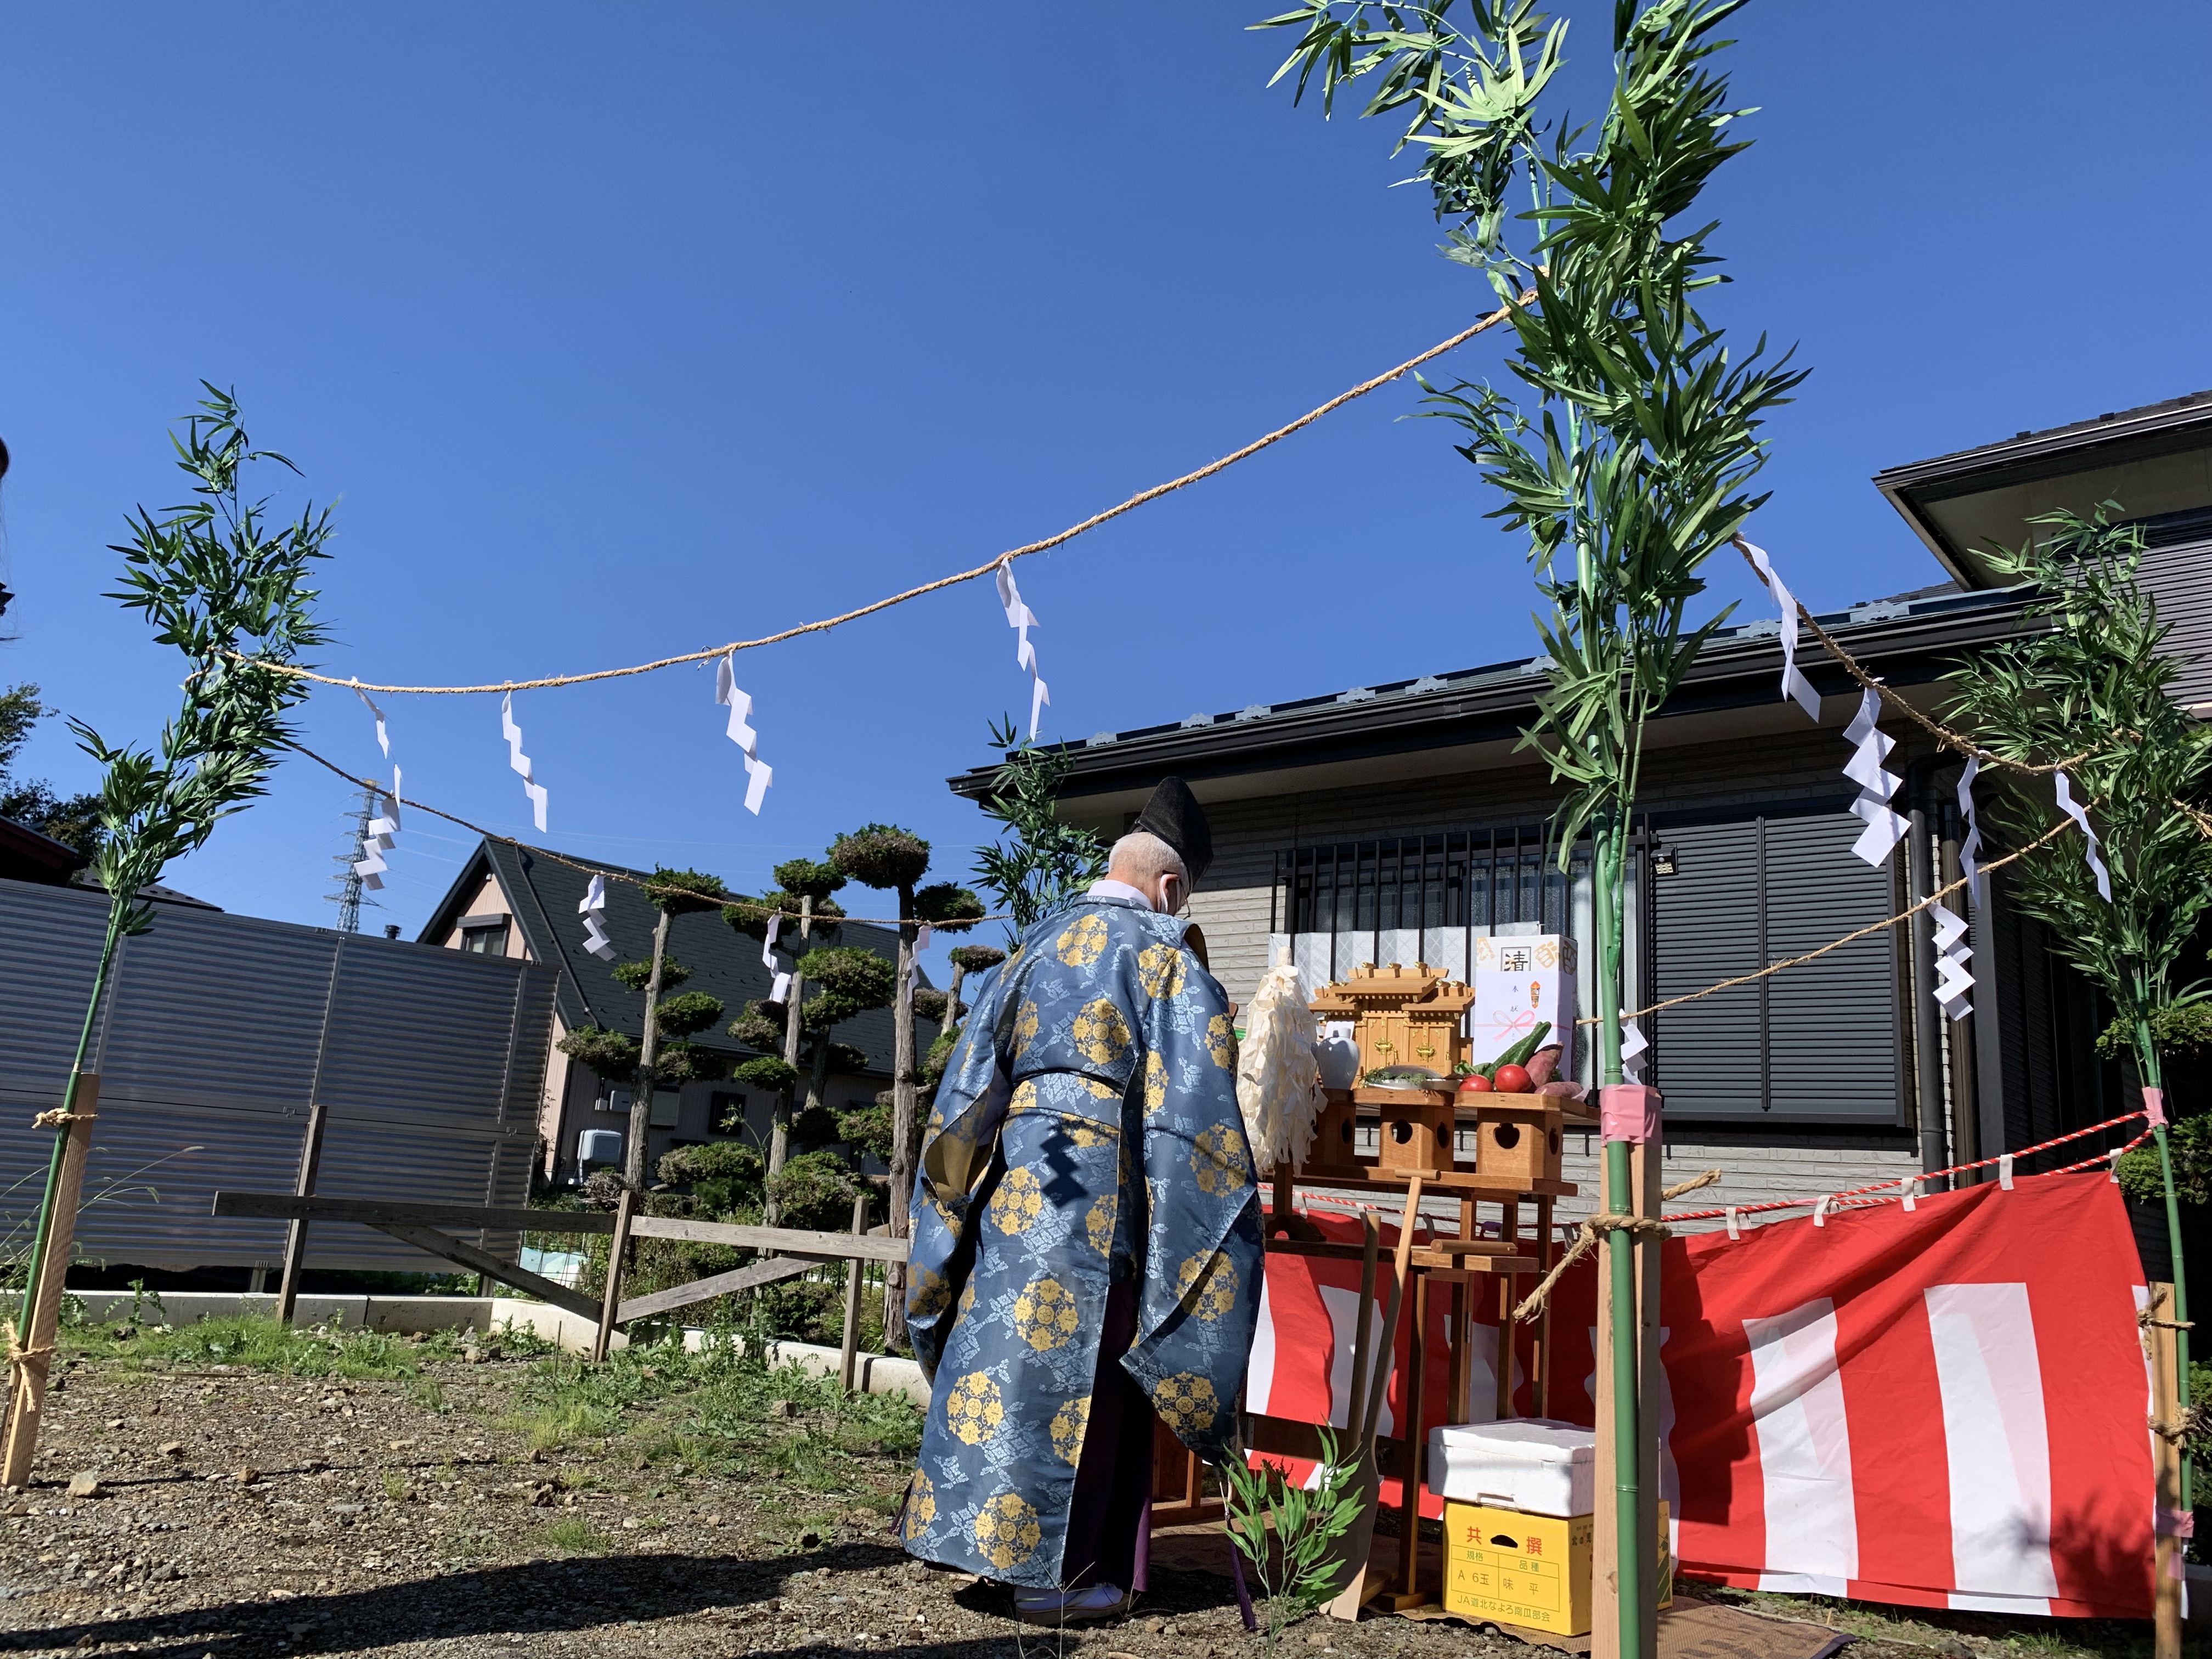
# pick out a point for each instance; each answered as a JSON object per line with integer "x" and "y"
{"x": 1519, "y": 982}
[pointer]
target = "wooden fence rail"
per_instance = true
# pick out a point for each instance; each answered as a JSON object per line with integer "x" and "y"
{"x": 797, "y": 1249}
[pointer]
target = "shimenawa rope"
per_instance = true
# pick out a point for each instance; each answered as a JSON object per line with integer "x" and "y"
{"x": 1069, "y": 534}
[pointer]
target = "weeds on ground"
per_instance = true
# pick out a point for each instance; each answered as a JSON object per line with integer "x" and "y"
{"x": 716, "y": 1411}
{"x": 573, "y": 1534}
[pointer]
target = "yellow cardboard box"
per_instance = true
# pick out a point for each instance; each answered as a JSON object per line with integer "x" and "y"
{"x": 1532, "y": 1569}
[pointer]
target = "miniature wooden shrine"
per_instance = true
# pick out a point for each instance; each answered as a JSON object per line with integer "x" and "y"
{"x": 1401, "y": 1016}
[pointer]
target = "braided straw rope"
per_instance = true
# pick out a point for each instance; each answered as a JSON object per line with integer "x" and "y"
{"x": 623, "y": 876}
{"x": 1140, "y": 499}
{"x": 1586, "y": 1238}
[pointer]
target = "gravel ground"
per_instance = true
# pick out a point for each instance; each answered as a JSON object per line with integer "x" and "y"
{"x": 243, "y": 1513}
{"x": 480, "y": 1505}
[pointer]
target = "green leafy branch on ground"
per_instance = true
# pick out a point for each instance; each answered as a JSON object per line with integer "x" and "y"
{"x": 1287, "y": 1533}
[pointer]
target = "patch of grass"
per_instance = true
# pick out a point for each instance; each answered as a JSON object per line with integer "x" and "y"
{"x": 574, "y": 1535}
{"x": 716, "y": 1413}
{"x": 252, "y": 1344}
{"x": 395, "y": 1484}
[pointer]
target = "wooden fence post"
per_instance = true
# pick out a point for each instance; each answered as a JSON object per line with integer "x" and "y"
{"x": 2165, "y": 1355}
{"x": 850, "y": 1356}
{"x": 295, "y": 1235}
{"x": 33, "y": 1350}
{"x": 623, "y": 1207}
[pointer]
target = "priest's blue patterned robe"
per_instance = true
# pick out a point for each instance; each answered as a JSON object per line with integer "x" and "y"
{"x": 1086, "y": 1131}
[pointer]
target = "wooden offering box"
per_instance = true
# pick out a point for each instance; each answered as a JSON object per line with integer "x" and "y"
{"x": 1415, "y": 1128}
{"x": 1518, "y": 1137}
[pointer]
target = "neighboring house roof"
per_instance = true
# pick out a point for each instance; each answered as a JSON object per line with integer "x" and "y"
{"x": 27, "y": 855}
{"x": 1910, "y": 640}
{"x": 725, "y": 962}
{"x": 2155, "y": 461}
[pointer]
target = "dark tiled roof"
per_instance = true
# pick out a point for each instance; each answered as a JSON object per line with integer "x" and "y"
{"x": 724, "y": 963}
{"x": 1933, "y": 618}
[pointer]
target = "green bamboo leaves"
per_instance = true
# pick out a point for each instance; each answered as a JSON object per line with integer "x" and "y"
{"x": 213, "y": 578}
{"x": 2099, "y": 679}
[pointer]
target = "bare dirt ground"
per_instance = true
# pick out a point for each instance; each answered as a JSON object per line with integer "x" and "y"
{"x": 264, "y": 1493}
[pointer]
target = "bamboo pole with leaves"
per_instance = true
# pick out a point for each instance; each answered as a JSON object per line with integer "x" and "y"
{"x": 2098, "y": 682}
{"x": 214, "y": 579}
{"x": 1040, "y": 863}
{"x": 1631, "y": 468}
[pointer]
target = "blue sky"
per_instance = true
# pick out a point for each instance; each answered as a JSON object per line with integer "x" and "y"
{"x": 619, "y": 331}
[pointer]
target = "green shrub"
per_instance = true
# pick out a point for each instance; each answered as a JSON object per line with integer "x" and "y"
{"x": 949, "y": 906}
{"x": 679, "y": 1062}
{"x": 2190, "y": 1144}
{"x": 724, "y": 1176}
{"x": 976, "y": 958}
{"x": 685, "y": 892}
{"x": 867, "y": 1130}
{"x": 638, "y": 975}
{"x": 613, "y": 1055}
{"x": 881, "y": 855}
{"x": 808, "y": 878}
{"x": 2177, "y": 1028}
{"x": 815, "y": 1189}
{"x": 768, "y": 1073}
{"x": 693, "y": 1011}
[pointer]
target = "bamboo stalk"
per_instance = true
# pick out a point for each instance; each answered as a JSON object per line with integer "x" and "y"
{"x": 31, "y": 1345}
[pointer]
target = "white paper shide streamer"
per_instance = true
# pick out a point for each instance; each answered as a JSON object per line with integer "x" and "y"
{"x": 759, "y": 772}
{"x": 1953, "y": 981}
{"x": 594, "y": 910}
{"x": 1970, "y": 845}
{"x": 1021, "y": 619}
{"x": 1794, "y": 684}
{"x": 2079, "y": 814}
{"x": 376, "y": 838}
{"x": 1632, "y": 1045}
{"x": 1870, "y": 747}
{"x": 383, "y": 740}
{"x": 520, "y": 761}
{"x": 780, "y": 991}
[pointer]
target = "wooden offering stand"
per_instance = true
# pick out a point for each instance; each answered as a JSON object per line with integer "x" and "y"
{"x": 1413, "y": 1017}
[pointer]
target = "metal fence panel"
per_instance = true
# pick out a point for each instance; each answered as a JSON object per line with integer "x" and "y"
{"x": 218, "y": 1034}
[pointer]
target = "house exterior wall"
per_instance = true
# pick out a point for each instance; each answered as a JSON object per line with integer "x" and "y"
{"x": 1758, "y": 1162}
{"x": 491, "y": 899}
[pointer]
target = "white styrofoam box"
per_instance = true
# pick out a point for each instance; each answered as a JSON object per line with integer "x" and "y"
{"x": 1532, "y": 1464}
{"x": 1518, "y": 982}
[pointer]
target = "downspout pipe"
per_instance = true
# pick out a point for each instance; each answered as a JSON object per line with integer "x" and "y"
{"x": 1928, "y": 1034}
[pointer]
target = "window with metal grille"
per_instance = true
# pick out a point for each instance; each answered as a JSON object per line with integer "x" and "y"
{"x": 1478, "y": 879}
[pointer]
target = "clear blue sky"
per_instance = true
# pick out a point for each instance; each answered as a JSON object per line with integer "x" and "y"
{"x": 619, "y": 331}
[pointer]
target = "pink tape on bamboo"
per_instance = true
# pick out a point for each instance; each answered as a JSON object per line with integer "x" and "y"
{"x": 2154, "y": 1106}
{"x": 1630, "y": 1112}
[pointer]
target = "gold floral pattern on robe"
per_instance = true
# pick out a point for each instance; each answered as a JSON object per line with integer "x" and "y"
{"x": 1069, "y": 1424}
{"x": 1006, "y": 1530}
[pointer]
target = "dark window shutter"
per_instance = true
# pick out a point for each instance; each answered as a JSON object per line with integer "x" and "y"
{"x": 1819, "y": 1042}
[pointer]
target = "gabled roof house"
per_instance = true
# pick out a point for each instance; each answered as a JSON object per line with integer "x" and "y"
{"x": 514, "y": 901}
{"x": 1401, "y": 821}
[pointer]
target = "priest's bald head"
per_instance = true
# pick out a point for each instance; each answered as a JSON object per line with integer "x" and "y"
{"x": 1166, "y": 850}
